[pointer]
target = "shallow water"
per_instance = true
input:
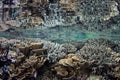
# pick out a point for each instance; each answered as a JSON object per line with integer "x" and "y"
{"x": 59, "y": 34}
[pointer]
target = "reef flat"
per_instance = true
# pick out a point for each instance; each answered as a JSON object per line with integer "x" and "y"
{"x": 93, "y": 59}
{"x": 59, "y": 39}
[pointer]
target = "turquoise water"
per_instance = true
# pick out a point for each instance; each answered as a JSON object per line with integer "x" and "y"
{"x": 59, "y": 34}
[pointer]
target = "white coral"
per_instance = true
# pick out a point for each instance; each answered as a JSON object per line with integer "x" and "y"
{"x": 55, "y": 51}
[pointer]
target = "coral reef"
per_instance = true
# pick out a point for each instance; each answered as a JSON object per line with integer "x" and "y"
{"x": 27, "y": 68}
{"x": 94, "y": 59}
{"x": 27, "y": 57}
{"x": 89, "y": 15}
{"x": 55, "y": 51}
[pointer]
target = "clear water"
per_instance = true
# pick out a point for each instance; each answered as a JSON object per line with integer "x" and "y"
{"x": 59, "y": 34}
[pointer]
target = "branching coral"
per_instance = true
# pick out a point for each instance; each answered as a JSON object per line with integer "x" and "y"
{"x": 95, "y": 53}
{"x": 55, "y": 51}
{"x": 97, "y": 58}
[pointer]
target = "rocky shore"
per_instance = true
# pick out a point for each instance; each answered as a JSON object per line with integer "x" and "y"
{"x": 93, "y": 59}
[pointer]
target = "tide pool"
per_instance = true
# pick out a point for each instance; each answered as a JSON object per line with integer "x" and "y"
{"x": 59, "y": 34}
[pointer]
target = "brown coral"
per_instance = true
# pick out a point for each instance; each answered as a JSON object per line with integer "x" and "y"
{"x": 71, "y": 66}
{"x": 29, "y": 61}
